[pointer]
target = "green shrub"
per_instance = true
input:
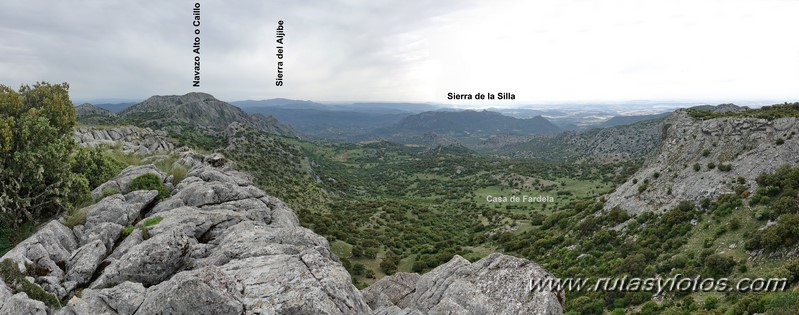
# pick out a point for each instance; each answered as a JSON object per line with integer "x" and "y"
{"x": 108, "y": 192}
{"x": 780, "y": 141}
{"x": 37, "y": 154}
{"x": 706, "y": 152}
{"x": 150, "y": 182}
{"x": 697, "y": 167}
{"x": 17, "y": 282}
{"x": 95, "y": 165}
{"x": 725, "y": 167}
{"x": 75, "y": 217}
{"x": 178, "y": 173}
{"x": 127, "y": 230}
{"x": 152, "y": 221}
{"x": 711, "y": 302}
{"x": 711, "y": 165}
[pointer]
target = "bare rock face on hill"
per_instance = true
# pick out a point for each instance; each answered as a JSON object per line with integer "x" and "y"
{"x": 219, "y": 245}
{"x": 689, "y": 163}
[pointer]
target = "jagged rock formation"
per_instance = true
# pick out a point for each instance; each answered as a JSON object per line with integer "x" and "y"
{"x": 747, "y": 144}
{"x": 198, "y": 109}
{"x": 87, "y": 109}
{"x": 131, "y": 139}
{"x": 219, "y": 245}
{"x": 496, "y": 284}
{"x": 228, "y": 248}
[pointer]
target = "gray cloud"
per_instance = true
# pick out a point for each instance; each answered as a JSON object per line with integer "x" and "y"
{"x": 404, "y": 50}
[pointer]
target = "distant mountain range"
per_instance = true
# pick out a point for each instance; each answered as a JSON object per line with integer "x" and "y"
{"x": 417, "y": 123}
{"x": 468, "y": 123}
{"x": 334, "y": 125}
{"x": 196, "y": 110}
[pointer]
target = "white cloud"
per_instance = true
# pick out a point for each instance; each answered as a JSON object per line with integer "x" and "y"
{"x": 550, "y": 50}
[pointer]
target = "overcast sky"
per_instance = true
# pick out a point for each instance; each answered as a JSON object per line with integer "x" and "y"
{"x": 416, "y": 51}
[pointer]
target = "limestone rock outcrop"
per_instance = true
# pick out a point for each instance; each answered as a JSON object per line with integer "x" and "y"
{"x": 748, "y": 145}
{"x": 219, "y": 245}
{"x": 144, "y": 141}
{"x": 496, "y": 284}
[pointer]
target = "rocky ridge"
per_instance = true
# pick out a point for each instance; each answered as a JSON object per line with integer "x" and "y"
{"x": 143, "y": 141}
{"x": 219, "y": 245}
{"x": 748, "y": 145}
{"x": 87, "y": 109}
{"x": 201, "y": 110}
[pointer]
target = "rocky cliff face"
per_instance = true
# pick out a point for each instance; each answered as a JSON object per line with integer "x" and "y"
{"x": 219, "y": 245}
{"x": 748, "y": 145}
{"x": 144, "y": 141}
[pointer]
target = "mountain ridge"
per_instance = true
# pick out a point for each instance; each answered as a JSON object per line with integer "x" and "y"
{"x": 201, "y": 109}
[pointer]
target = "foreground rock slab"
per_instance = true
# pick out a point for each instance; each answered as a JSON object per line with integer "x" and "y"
{"x": 496, "y": 284}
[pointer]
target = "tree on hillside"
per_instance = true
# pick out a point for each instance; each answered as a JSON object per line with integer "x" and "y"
{"x": 38, "y": 176}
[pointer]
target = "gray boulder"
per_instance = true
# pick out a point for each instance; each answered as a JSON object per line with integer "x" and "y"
{"x": 201, "y": 291}
{"x": 48, "y": 248}
{"x": 20, "y": 304}
{"x": 307, "y": 283}
{"x": 149, "y": 262}
{"x": 396, "y": 290}
{"x": 105, "y": 232}
{"x": 496, "y": 284}
{"x": 123, "y": 299}
{"x": 84, "y": 262}
{"x": 119, "y": 209}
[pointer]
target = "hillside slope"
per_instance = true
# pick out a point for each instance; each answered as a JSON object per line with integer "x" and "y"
{"x": 692, "y": 161}
{"x": 613, "y": 144}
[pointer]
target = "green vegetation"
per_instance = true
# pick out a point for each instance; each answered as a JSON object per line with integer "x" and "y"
{"x": 766, "y": 112}
{"x": 778, "y": 193}
{"x": 126, "y": 230}
{"x": 387, "y": 208}
{"x": 152, "y": 221}
{"x": 15, "y": 279}
{"x": 150, "y": 182}
{"x": 75, "y": 217}
{"x": 144, "y": 226}
{"x": 44, "y": 173}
